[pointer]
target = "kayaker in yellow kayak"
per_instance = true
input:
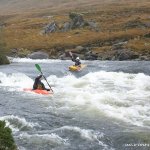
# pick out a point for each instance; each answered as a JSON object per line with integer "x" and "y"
{"x": 38, "y": 84}
{"x": 75, "y": 59}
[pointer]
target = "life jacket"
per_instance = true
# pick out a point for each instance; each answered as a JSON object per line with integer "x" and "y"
{"x": 77, "y": 62}
{"x": 38, "y": 84}
{"x": 40, "y": 87}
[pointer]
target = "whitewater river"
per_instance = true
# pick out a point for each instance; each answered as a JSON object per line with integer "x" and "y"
{"x": 106, "y": 106}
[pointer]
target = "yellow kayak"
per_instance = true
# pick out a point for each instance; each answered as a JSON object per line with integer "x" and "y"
{"x": 77, "y": 68}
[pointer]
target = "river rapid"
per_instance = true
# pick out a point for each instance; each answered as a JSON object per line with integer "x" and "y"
{"x": 106, "y": 106}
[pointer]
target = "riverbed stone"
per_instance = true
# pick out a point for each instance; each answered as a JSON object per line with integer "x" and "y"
{"x": 3, "y": 59}
{"x": 125, "y": 54}
{"x": 38, "y": 55}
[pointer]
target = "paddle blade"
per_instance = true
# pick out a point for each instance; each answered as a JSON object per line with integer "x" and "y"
{"x": 38, "y": 67}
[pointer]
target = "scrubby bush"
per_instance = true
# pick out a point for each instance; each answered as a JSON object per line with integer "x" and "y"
{"x": 6, "y": 138}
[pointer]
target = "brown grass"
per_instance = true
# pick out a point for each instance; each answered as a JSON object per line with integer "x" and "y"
{"x": 139, "y": 45}
{"x": 23, "y": 31}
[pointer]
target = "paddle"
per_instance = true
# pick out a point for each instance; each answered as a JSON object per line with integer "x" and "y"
{"x": 70, "y": 53}
{"x": 39, "y": 69}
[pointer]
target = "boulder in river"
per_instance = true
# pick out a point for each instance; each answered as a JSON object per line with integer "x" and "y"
{"x": 38, "y": 55}
{"x": 125, "y": 54}
{"x": 3, "y": 60}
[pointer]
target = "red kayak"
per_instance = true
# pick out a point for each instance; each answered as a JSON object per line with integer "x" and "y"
{"x": 43, "y": 92}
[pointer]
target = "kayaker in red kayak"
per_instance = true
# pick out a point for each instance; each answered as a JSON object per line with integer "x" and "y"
{"x": 38, "y": 84}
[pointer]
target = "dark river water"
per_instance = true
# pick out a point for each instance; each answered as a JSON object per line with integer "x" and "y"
{"x": 106, "y": 106}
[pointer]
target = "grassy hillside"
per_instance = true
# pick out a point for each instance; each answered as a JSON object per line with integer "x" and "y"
{"x": 117, "y": 20}
{"x": 24, "y": 6}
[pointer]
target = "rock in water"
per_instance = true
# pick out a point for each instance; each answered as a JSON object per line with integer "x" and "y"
{"x": 3, "y": 59}
{"x": 38, "y": 55}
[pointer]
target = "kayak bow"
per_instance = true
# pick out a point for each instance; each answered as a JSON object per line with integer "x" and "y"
{"x": 77, "y": 68}
{"x": 37, "y": 91}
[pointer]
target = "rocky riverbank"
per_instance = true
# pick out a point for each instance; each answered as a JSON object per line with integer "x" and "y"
{"x": 118, "y": 31}
{"x": 115, "y": 50}
{"x": 3, "y": 59}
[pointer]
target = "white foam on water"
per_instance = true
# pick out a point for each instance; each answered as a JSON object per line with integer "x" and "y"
{"x": 21, "y": 148}
{"x": 87, "y": 134}
{"x": 15, "y": 80}
{"x": 43, "y": 139}
{"x": 117, "y": 95}
{"x": 28, "y": 60}
{"x": 16, "y": 123}
{"x": 120, "y": 95}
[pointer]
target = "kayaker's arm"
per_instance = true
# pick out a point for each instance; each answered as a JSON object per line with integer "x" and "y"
{"x": 71, "y": 55}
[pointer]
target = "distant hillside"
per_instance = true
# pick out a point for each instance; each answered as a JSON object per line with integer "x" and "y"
{"x": 123, "y": 26}
{"x": 17, "y": 6}
{"x": 23, "y": 6}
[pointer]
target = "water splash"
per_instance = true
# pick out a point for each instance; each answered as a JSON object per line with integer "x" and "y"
{"x": 18, "y": 124}
{"x": 122, "y": 96}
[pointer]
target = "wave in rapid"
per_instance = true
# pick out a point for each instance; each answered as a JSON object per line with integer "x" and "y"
{"x": 85, "y": 134}
{"x": 88, "y": 135}
{"x": 28, "y": 60}
{"x": 47, "y": 139}
{"x": 53, "y": 139}
{"x": 121, "y": 96}
{"x": 18, "y": 124}
{"x": 117, "y": 95}
{"x": 15, "y": 80}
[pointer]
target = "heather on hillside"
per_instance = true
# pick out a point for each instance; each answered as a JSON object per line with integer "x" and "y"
{"x": 116, "y": 22}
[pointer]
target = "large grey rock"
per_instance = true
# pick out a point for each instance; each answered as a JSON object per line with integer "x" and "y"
{"x": 79, "y": 48}
{"x": 38, "y": 55}
{"x": 93, "y": 25}
{"x": 50, "y": 28}
{"x": 3, "y": 60}
{"x": 125, "y": 54}
{"x": 77, "y": 20}
{"x": 144, "y": 58}
{"x": 91, "y": 56}
{"x": 118, "y": 54}
{"x": 66, "y": 27}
